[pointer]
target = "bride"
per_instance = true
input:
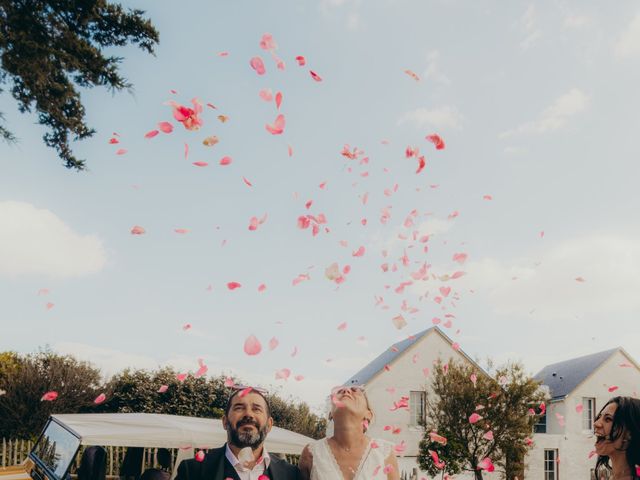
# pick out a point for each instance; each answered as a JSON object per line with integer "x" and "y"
{"x": 349, "y": 454}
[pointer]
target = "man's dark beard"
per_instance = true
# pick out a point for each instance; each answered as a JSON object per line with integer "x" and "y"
{"x": 248, "y": 438}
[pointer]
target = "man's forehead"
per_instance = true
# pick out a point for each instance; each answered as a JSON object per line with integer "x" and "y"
{"x": 249, "y": 399}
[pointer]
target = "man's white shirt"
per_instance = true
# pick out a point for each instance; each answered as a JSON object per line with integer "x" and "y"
{"x": 245, "y": 473}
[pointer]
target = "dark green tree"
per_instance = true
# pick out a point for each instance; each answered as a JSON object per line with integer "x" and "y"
{"x": 505, "y": 405}
{"x": 50, "y": 48}
{"x": 25, "y": 379}
{"x": 137, "y": 391}
{"x": 296, "y": 417}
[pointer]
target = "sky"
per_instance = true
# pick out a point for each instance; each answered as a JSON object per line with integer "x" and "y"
{"x": 536, "y": 103}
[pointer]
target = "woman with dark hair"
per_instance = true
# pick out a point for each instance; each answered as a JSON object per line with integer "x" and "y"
{"x": 617, "y": 430}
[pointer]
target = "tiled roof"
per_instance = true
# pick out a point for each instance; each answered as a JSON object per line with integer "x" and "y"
{"x": 385, "y": 358}
{"x": 563, "y": 377}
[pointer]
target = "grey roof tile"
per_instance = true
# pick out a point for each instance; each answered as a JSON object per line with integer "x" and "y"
{"x": 385, "y": 358}
{"x": 563, "y": 377}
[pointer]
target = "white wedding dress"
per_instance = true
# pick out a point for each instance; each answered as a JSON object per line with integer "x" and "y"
{"x": 372, "y": 462}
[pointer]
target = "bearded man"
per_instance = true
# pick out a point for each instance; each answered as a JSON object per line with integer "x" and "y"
{"x": 247, "y": 420}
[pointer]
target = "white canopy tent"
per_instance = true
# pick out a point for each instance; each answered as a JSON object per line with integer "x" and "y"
{"x": 155, "y": 430}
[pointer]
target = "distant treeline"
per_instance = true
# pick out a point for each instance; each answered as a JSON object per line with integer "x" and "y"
{"x": 25, "y": 378}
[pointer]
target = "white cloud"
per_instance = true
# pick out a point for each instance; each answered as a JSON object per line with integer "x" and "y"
{"x": 528, "y": 22}
{"x": 556, "y": 116}
{"x": 577, "y": 21}
{"x": 628, "y": 44}
{"x": 546, "y": 283}
{"x": 433, "y": 70}
{"x": 36, "y": 241}
{"x": 441, "y": 118}
{"x": 391, "y": 243}
{"x": 333, "y": 3}
{"x": 529, "y": 18}
{"x": 327, "y": 6}
{"x": 511, "y": 150}
{"x": 530, "y": 40}
{"x": 353, "y": 21}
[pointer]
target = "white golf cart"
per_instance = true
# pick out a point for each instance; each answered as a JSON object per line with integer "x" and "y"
{"x": 62, "y": 437}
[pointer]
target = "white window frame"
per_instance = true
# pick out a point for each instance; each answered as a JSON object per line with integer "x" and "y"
{"x": 417, "y": 408}
{"x": 588, "y": 413}
{"x": 551, "y": 464}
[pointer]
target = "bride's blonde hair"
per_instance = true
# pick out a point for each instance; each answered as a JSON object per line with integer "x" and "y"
{"x": 329, "y": 405}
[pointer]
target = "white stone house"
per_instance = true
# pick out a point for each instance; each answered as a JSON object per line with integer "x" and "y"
{"x": 578, "y": 388}
{"x": 400, "y": 371}
{"x": 563, "y": 440}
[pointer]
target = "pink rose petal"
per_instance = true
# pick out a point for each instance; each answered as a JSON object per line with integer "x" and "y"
{"x": 459, "y": 258}
{"x": 474, "y": 418}
{"x": 277, "y": 127}
{"x": 436, "y": 140}
{"x": 434, "y": 437}
{"x": 165, "y": 127}
{"x": 283, "y": 374}
{"x": 266, "y": 94}
{"x": 49, "y": 396}
{"x": 315, "y": 76}
{"x": 258, "y": 65}
{"x": 252, "y": 345}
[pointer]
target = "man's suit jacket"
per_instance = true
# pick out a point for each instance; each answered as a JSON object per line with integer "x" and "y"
{"x": 215, "y": 466}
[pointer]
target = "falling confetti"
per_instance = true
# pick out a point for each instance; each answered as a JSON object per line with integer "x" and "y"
{"x": 252, "y": 346}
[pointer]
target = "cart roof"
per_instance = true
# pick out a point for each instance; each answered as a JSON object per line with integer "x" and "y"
{"x": 168, "y": 431}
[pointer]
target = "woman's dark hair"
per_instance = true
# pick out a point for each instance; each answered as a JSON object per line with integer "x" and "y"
{"x": 626, "y": 419}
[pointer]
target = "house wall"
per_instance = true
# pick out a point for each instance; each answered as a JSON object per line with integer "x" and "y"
{"x": 406, "y": 376}
{"x": 573, "y": 443}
